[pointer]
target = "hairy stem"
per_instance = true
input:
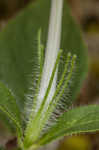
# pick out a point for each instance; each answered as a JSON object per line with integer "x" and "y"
{"x": 49, "y": 74}
{"x": 52, "y": 48}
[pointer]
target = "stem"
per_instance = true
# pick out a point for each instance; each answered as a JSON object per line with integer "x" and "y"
{"x": 52, "y": 48}
{"x": 48, "y": 84}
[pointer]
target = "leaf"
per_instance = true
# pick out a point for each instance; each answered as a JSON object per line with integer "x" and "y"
{"x": 32, "y": 94}
{"x": 78, "y": 120}
{"x": 18, "y": 54}
{"x": 9, "y": 108}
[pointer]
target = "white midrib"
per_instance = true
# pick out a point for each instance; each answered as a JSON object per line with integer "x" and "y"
{"x": 52, "y": 48}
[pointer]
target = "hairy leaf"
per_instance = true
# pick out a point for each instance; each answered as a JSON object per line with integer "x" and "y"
{"x": 78, "y": 120}
{"x": 9, "y": 108}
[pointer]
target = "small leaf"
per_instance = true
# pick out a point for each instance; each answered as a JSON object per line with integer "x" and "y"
{"x": 9, "y": 108}
{"x": 33, "y": 91}
{"x": 78, "y": 120}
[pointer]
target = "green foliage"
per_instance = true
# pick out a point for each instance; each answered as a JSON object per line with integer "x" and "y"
{"x": 22, "y": 54}
{"x": 9, "y": 107}
{"x": 78, "y": 120}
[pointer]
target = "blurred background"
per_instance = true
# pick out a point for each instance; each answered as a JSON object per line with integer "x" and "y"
{"x": 86, "y": 14}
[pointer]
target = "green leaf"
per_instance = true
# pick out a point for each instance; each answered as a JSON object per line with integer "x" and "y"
{"x": 78, "y": 120}
{"x": 18, "y": 54}
{"x": 9, "y": 108}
